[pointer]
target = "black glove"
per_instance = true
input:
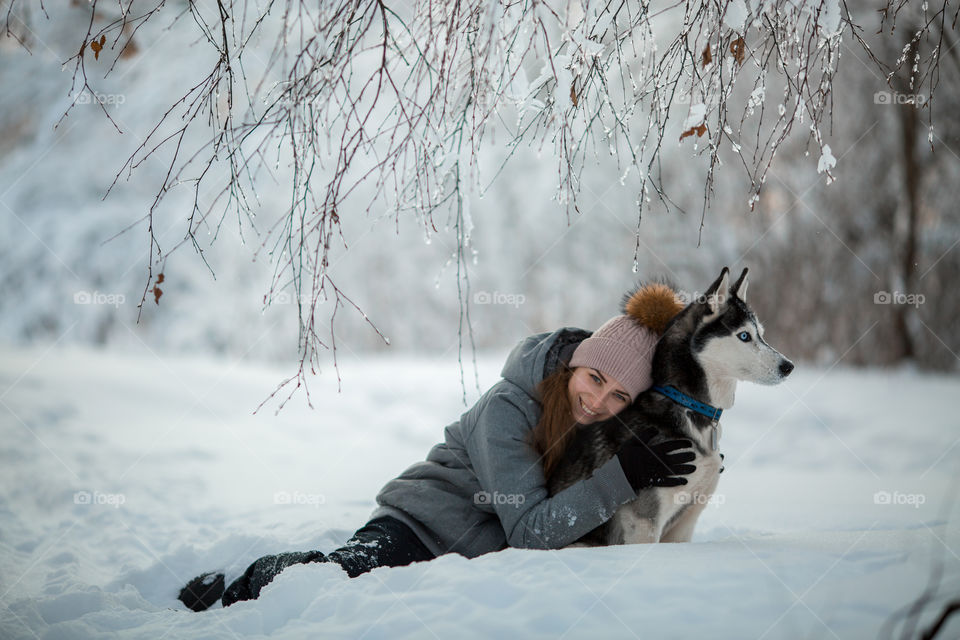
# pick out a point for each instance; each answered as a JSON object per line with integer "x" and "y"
{"x": 203, "y": 592}
{"x": 262, "y": 572}
{"x": 648, "y": 465}
{"x": 721, "y": 463}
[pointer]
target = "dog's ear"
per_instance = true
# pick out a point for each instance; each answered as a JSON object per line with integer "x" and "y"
{"x": 717, "y": 294}
{"x": 739, "y": 287}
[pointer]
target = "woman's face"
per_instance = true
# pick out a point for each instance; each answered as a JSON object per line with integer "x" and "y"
{"x": 594, "y": 396}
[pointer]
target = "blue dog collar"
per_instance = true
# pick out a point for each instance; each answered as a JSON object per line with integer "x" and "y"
{"x": 681, "y": 398}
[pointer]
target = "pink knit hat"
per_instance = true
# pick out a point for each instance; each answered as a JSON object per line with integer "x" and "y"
{"x": 622, "y": 349}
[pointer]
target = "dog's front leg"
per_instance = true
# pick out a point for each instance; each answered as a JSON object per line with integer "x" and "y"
{"x": 634, "y": 523}
{"x": 681, "y": 530}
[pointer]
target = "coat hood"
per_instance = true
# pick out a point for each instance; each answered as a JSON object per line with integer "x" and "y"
{"x": 537, "y": 356}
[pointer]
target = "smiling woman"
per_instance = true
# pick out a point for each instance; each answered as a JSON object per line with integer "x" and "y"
{"x": 486, "y": 486}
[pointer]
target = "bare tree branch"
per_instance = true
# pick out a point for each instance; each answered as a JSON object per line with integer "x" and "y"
{"x": 377, "y": 106}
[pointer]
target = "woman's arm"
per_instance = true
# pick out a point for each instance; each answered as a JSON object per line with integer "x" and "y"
{"x": 511, "y": 475}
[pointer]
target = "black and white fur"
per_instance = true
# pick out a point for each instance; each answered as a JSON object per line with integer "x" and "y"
{"x": 705, "y": 350}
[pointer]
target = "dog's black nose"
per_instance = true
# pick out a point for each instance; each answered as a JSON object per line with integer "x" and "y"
{"x": 785, "y": 368}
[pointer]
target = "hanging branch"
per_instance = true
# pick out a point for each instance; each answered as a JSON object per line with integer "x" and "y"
{"x": 374, "y": 106}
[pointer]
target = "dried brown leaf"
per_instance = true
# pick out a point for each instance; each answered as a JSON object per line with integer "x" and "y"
{"x": 699, "y": 130}
{"x": 157, "y": 291}
{"x": 739, "y": 50}
{"x": 97, "y": 46}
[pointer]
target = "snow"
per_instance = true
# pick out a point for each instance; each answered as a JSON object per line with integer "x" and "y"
{"x": 125, "y": 475}
{"x": 735, "y": 15}
{"x": 695, "y": 117}
{"x": 827, "y": 161}
{"x": 831, "y": 18}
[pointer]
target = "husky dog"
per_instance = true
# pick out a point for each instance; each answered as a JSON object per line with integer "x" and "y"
{"x": 708, "y": 346}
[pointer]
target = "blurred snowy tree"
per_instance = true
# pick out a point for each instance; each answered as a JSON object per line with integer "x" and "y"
{"x": 867, "y": 265}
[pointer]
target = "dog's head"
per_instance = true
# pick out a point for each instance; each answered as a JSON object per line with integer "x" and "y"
{"x": 725, "y": 337}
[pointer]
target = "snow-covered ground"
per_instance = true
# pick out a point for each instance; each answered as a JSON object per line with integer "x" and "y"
{"x": 124, "y": 475}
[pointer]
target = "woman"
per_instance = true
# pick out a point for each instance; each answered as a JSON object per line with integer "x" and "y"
{"x": 484, "y": 487}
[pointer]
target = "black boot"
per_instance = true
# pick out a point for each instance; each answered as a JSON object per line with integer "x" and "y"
{"x": 202, "y": 592}
{"x": 263, "y": 571}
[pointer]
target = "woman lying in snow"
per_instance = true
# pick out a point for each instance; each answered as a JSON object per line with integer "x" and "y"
{"x": 485, "y": 487}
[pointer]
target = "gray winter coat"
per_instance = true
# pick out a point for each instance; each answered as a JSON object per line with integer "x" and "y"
{"x": 483, "y": 489}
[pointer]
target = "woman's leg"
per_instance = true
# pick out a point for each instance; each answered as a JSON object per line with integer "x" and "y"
{"x": 382, "y": 542}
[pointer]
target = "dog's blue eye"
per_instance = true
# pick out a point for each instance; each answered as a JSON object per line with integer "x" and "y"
{"x": 743, "y": 335}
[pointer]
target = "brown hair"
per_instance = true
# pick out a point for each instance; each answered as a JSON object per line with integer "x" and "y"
{"x": 556, "y": 425}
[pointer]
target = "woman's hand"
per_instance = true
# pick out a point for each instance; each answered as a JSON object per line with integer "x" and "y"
{"x": 647, "y": 465}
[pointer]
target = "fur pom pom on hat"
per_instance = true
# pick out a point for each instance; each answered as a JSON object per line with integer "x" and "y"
{"x": 623, "y": 347}
{"x": 653, "y": 305}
